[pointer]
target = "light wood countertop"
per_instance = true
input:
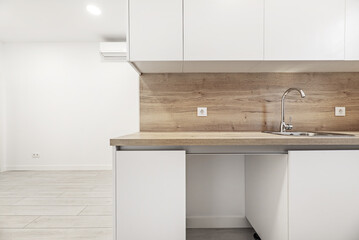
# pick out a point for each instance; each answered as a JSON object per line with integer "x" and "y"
{"x": 227, "y": 139}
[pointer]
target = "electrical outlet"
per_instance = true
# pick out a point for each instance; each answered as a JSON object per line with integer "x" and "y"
{"x": 201, "y": 112}
{"x": 340, "y": 111}
{"x": 35, "y": 155}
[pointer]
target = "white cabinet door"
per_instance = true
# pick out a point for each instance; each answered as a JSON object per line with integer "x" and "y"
{"x": 223, "y": 30}
{"x": 304, "y": 30}
{"x": 267, "y": 195}
{"x": 352, "y": 30}
{"x": 150, "y": 195}
{"x": 323, "y": 195}
{"x": 155, "y": 30}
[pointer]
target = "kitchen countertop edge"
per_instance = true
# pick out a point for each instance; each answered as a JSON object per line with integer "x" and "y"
{"x": 228, "y": 139}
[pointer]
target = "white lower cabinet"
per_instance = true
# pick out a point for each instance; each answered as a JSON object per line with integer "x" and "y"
{"x": 309, "y": 195}
{"x": 150, "y": 195}
{"x": 323, "y": 195}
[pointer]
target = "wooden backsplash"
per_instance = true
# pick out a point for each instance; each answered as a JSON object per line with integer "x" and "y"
{"x": 248, "y": 101}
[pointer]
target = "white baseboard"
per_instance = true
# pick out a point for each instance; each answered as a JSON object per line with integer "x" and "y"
{"x": 218, "y": 222}
{"x": 56, "y": 167}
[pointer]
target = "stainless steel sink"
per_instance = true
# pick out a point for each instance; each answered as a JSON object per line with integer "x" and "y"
{"x": 285, "y": 127}
{"x": 312, "y": 134}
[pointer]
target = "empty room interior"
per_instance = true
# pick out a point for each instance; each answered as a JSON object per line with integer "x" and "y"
{"x": 179, "y": 119}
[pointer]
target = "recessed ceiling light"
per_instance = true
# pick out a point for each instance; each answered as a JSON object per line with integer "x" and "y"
{"x": 93, "y": 10}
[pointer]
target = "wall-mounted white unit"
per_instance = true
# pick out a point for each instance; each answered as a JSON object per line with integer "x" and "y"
{"x": 114, "y": 50}
{"x": 155, "y": 30}
{"x": 243, "y": 36}
{"x": 352, "y": 30}
{"x": 304, "y": 30}
{"x": 223, "y": 31}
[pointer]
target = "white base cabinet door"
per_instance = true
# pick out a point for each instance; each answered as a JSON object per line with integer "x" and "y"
{"x": 150, "y": 195}
{"x": 311, "y": 195}
{"x": 267, "y": 195}
{"x": 323, "y": 195}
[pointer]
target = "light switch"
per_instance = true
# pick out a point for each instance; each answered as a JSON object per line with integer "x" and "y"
{"x": 340, "y": 111}
{"x": 201, "y": 112}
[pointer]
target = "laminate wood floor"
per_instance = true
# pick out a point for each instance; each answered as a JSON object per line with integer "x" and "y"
{"x": 70, "y": 205}
{"x": 56, "y": 205}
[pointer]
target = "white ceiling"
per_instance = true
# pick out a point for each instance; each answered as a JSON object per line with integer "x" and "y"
{"x": 61, "y": 21}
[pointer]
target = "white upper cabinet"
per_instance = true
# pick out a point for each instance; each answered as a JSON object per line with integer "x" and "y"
{"x": 304, "y": 29}
{"x": 352, "y": 30}
{"x": 220, "y": 35}
{"x": 155, "y": 30}
{"x": 223, "y": 29}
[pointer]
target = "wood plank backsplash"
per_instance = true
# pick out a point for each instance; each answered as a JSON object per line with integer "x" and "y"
{"x": 248, "y": 101}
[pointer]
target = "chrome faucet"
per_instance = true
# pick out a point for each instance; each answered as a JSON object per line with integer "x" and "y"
{"x": 284, "y": 126}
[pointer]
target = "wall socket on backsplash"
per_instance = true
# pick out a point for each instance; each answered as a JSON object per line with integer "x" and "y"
{"x": 339, "y": 111}
{"x": 201, "y": 112}
{"x": 35, "y": 155}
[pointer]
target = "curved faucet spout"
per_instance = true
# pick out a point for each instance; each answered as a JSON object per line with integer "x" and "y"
{"x": 301, "y": 92}
{"x": 283, "y": 125}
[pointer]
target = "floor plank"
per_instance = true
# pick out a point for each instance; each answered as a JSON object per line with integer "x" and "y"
{"x": 47, "y": 188}
{"x": 40, "y": 210}
{"x": 87, "y": 194}
{"x": 9, "y": 200}
{"x": 64, "y": 201}
{"x": 57, "y": 234}
{"x": 15, "y": 221}
{"x": 27, "y": 193}
{"x": 47, "y": 222}
{"x": 97, "y": 211}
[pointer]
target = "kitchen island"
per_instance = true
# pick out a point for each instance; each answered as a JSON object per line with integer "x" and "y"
{"x": 295, "y": 187}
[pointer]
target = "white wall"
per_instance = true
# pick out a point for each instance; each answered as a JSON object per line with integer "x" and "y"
{"x": 65, "y": 103}
{"x": 2, "y": 110}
